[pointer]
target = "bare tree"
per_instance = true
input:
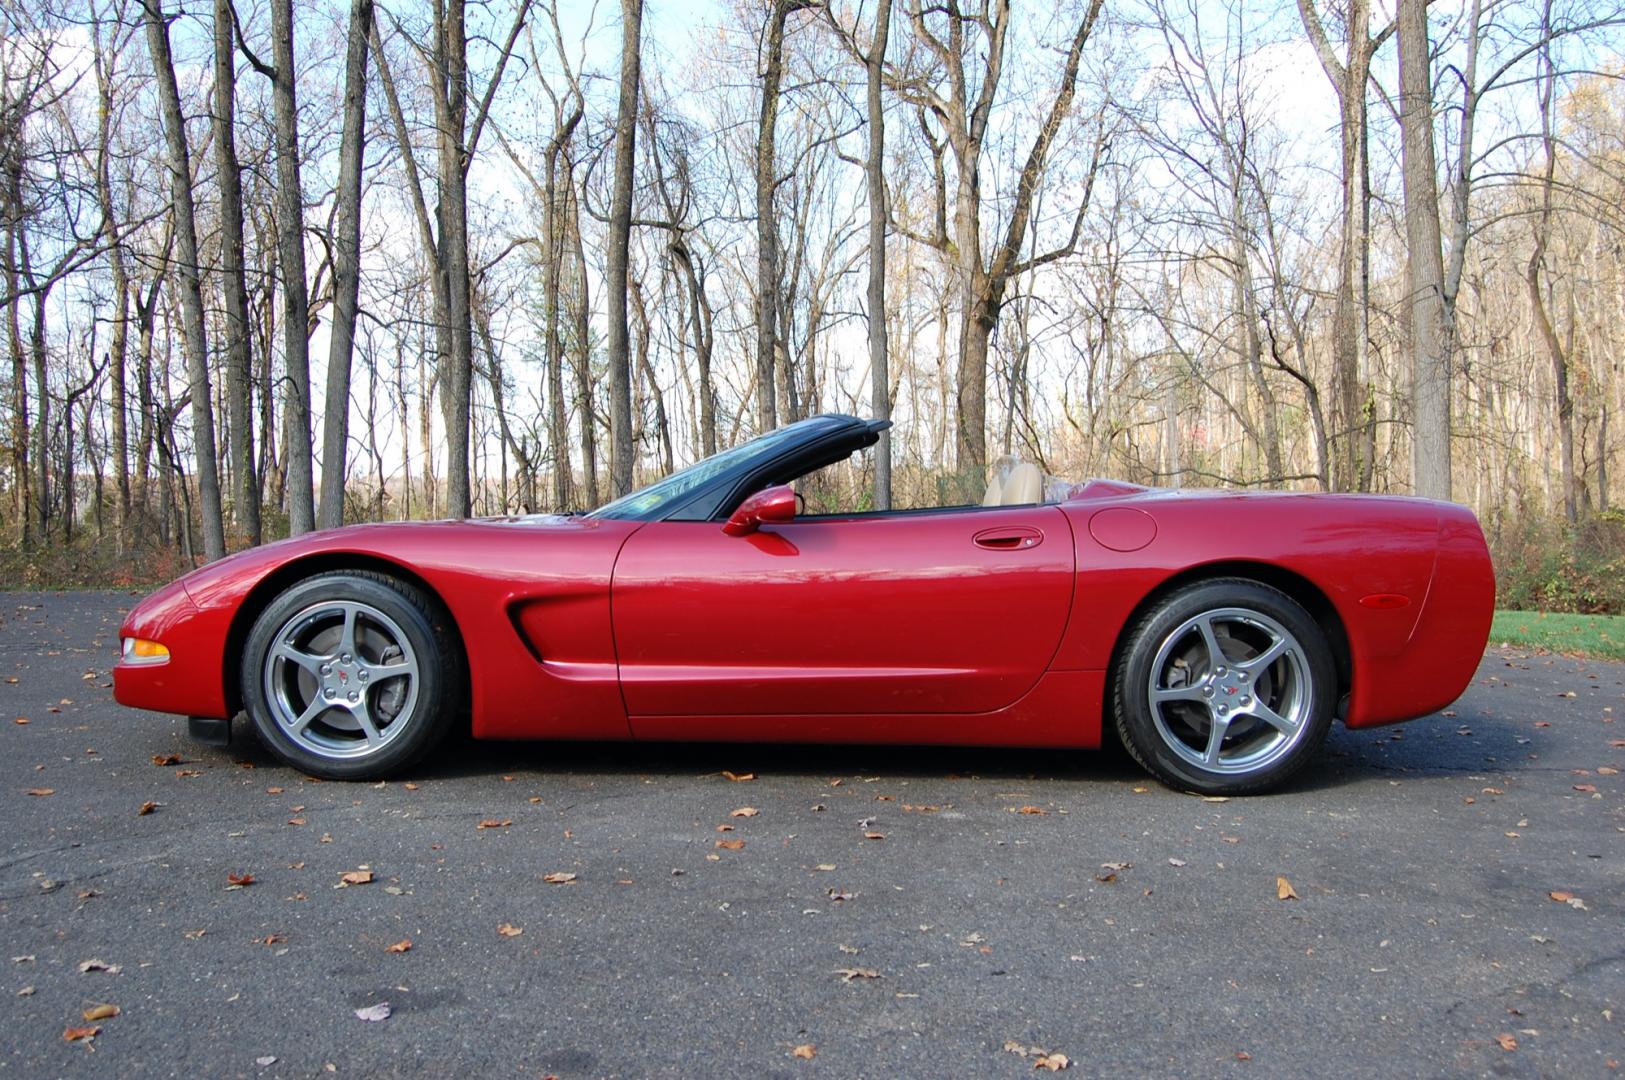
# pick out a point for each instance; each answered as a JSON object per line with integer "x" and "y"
{"x": 239, "y": 400}
{"x": 346, "y": 268}
{"x": 186, "y": 270}
{"x": 964, "y": 120}
{"x": 1429, "y": 329}
{"x": 620, "y": 232}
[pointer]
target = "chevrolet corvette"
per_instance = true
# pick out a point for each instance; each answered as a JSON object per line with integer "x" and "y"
{"x": 1219, "y": 634}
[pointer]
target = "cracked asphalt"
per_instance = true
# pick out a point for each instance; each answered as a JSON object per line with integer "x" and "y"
{"x": 1010, "y": 903}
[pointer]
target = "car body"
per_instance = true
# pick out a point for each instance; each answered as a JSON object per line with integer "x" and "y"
{"x": 650, "y": 619}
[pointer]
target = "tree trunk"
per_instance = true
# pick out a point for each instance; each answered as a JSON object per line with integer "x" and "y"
{"x": 1429, "y": 332}
{"x": 290, "y": 217}
{"x": 457, "y": 359}
{"x": 346, "y": 269}
{"x": 239, "y": 391}
{"x": 197, "y": 355}
{"x": 767, "y": 226}
{"x": 874, "y": 169}
{"x": 621, "y": 449}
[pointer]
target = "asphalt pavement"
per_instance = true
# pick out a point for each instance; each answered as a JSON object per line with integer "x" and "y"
{"x": 1454, "y": 899}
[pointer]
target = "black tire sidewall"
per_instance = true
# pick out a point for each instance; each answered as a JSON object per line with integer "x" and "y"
{"x": 1132, "y": 709}
{"x": 411, "y": 612}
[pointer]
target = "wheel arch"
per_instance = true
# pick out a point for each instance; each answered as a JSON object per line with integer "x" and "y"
{"x": 1312, "y": 598}
{"x": 272, "y": 584}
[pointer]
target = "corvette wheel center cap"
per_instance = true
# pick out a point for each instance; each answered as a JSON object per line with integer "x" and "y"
{"x": 343, "y": 678}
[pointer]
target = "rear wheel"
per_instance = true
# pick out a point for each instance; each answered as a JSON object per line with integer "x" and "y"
{"x": 351, "y": 675}
{"x": 1225, "y": 687}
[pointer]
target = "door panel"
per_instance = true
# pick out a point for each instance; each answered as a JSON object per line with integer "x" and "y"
{"x": 950, "y": 612}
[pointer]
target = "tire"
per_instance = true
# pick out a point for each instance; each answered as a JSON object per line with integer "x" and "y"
{"x": 352, "y": 675}
{"x": 1231, "y": 658}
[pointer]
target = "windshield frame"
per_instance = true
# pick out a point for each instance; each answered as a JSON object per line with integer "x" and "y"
{"x": 708, "y": 483}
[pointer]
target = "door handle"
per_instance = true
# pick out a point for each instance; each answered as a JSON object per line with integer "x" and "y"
{"x": 1008, "y": 538}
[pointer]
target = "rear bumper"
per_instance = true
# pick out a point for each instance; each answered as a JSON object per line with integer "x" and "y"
{"x": 1447, "y": 641}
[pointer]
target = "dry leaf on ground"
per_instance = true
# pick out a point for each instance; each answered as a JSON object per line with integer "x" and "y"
{"x": 744, "y": 811}
{"x": 1284, "y": 889}
{"x": 509, "y": 930}
{"x": 101, "y": 1012}
{"x": 806, "y": 1052}
{"x": 374, "y": 1013}
{"x": 1507, "y": 1040}
{"x": 739, "y": 777}
{"x": 76, "y": 1034}
{"x": 730, "y": 845}
{"x": 1053, "y": 1062}
{"x": 850, "y": 974}
{"x": 495, "y": 823}
{"x": 559, "y": 877}
{"x": 41, "y": 792}
{"x": 239, "y": 881}
{"x": 146, "y": 808}
{"x": 404, "y": 945}
{"x": 355, "y": 877}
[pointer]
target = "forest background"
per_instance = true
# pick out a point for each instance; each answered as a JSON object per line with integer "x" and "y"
{"x": 267, "y": 267}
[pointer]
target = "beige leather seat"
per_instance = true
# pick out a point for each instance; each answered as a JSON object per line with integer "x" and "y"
{"x": 1021, "y": 484}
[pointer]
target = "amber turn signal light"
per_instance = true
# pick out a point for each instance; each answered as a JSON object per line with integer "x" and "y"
{"x": 142, "y": 651}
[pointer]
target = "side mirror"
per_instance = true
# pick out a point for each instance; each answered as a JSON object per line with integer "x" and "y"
{"x": 770, "y": 506}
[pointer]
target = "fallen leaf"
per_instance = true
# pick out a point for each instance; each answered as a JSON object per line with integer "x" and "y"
{"x": 825, "y": 866}
{"x": 166, "y": 759}
{"x": 561, "y": 877}
{"x": 188, "y": 772}
{"x": 744, "y": 811}
{"x": 1115, "y": 865}
{"x": 1106, "y": 879}
{"x": 509, "y": 930}
{"x": 21, "y": 720}
{"x": 725, "y": 828}
{"x": 1284, "y": 889}
{"x": 1033, "y": 810}
{"x": 1507, "y": 1040}
{"x": 239, "y": 881}
{"x": 77, "y": 1034}
{"x": 409, "y": 786}
{"x": 297, "y": 821}
{"x": 374, "y": 1013}
{"x": 146, "y": 808}
{"x": 738, "y": 777}
{"x": 849, "y": 974}
{"x": 730, "y": 845}
{"x": 839, "y": 895}
{"x": 874, "y": 836}
{"x": 101, "y": 1012}
{"x": 273, "y": 791}
{"x": 267, "y": 1060}
{"x": 1052, "y": 1062}
{"x": 1607, "y": 770}
{"x": 494, "y": 823}
{"x": 87, "y": 966}
{"x": 27, "y": 991}
{"x": 355, "y": 877}
{"x": 1176, "y": 862}
{"x": 806, "y": 1052}
{"x": 1242, "y": 1055}
{"x": 404, "y": 945}
{"x": 1560, "y": 896}
{"x": 1585, "y": 787}
{"x": 271, "y": 939}
{"x": 41, "y": 792}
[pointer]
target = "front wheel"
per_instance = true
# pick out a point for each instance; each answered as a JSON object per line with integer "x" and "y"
{"x": 351, "y": 675}
{"x": 1225, "y": 687}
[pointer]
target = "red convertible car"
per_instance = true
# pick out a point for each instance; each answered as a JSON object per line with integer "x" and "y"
{"x": 1219, "y": 633}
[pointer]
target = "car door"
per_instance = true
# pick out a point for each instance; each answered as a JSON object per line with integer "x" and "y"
{"x": 954, "y": 611}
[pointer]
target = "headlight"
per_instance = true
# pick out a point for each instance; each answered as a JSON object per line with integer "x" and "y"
{"x": 142, "y": 651}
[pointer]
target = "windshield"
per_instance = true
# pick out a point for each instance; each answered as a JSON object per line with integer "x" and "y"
{"x": 643, "y": 502}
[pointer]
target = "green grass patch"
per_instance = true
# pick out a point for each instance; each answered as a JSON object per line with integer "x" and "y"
{"x": 1578, "y": 635}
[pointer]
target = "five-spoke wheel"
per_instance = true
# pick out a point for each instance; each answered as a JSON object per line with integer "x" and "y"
{"x": 350, "y": 675}
{"x": 1226, "y": 686}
